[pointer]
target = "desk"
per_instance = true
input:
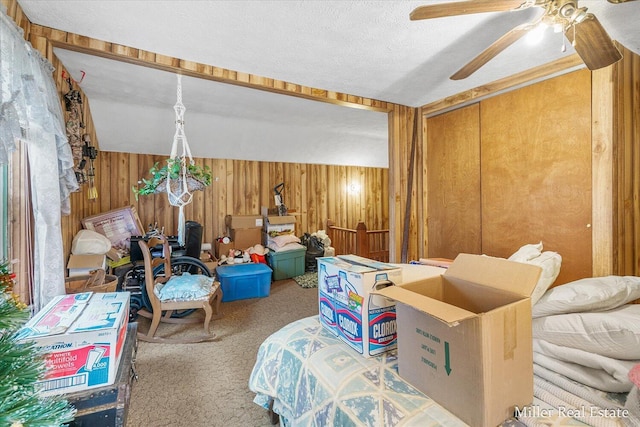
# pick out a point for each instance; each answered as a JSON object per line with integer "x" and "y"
{"x": 107, "y": 406}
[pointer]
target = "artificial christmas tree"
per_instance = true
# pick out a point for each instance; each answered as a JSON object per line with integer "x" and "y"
{"x": 21, "y": 365}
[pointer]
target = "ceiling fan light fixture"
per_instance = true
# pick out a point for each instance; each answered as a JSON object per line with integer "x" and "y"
{"x": 591, "y": 41}
{"x": 579, "y": 15}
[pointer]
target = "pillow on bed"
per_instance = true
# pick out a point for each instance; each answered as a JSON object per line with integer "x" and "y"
{"x": 590, "y": 294}
{"x": 549, "y": 262}
{"x": 614, "y": 333}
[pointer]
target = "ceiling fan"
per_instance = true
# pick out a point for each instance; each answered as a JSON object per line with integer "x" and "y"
{"x": 581, "y": 28}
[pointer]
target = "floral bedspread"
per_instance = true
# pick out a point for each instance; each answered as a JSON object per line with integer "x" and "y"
{"x": 316, "y": 380}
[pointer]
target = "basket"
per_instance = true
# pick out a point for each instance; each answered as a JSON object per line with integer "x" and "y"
{"x": 88, "y": 283}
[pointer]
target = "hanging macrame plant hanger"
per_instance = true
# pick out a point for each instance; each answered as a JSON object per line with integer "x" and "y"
{"x": 179, "y": 186}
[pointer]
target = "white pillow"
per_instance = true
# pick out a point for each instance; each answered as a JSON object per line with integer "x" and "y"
{"x": 549, "y": 262}
{"x": 526, "y": 252}
{"x": 288, "y": 247}
{"x": 88, "y": 242}
{"x": 614, "y": 333}
{"x": 282, "y": 240}
{"x": 590, "y": 294}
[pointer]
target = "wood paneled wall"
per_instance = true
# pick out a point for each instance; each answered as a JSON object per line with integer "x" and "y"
{"x": 536, "y": 159}
{"x": 313, "y": 192}
{"x": 626, "y": 187}
{"x": 454, "y": 221}
{"x": 611, "y": 130}
{"x": 515, "y": 169}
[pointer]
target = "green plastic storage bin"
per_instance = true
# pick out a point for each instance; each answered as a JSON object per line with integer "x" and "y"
{"x": 287, "y": 264}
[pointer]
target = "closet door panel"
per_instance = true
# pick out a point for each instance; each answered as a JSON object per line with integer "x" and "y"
{"x": 453, "y": 183}
{"x": 536, "y": 171}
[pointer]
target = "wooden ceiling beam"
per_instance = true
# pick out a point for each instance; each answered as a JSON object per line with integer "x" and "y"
{"x": 74, "y": 42}
{"x": 525, "y": 78}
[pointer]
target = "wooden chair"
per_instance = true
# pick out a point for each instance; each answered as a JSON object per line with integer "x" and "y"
{"x": 163, "y": 310}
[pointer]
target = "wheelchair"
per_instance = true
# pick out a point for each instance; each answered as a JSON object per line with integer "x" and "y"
{"x": 184, "y": 259}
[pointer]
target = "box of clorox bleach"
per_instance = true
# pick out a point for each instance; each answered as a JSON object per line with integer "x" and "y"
{"x": 366, "y": 322}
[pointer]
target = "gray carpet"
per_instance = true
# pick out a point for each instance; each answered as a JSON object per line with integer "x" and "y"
{"x": 206, "y": 384}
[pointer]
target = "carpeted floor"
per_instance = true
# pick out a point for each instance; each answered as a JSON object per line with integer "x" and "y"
{"x": 206, "y": 384}
{"x": 307, "y": 280}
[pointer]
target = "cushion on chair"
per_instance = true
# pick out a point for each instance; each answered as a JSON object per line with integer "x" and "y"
{"x": 184, "y": 288}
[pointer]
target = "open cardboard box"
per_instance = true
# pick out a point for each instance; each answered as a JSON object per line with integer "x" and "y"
{"x": 80, "y": 265}
{"x": 464, "y": 337}
{"x": 280, "y": 224}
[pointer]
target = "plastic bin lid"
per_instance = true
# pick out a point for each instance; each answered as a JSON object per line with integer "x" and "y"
{"x": 242, "y": 269}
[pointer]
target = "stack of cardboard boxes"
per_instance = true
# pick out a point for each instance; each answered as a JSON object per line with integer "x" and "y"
{"x": 244, "y": 231}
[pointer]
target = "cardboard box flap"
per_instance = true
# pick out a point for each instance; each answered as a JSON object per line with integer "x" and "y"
{"x": 498, "y": 273}
{"x": 86, "y": 261}
{"x": 56, "y": 317}
{"x": 366, "y": 262}
{"x": 442, "y": 311}
{"x": 278, "y": 220}
{"x": 243, "y": 221}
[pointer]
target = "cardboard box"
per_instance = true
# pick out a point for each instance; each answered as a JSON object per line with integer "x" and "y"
{"x": 275, "y": 225}
{"x": 223, "y": 248}
{"x": 464, "y": 337}
{"x": 82, "y": 336}
{"x": 243, "y": 221}
{"x": 80, "y": 265}
{"x": 366, "y": 322}
{"x": 244, "y": 238}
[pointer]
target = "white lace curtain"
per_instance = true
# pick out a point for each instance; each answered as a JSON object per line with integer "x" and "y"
{"x": 30, "y": 113}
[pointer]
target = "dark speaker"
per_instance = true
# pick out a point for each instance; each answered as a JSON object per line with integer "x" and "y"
{"x": 192, "y": 239}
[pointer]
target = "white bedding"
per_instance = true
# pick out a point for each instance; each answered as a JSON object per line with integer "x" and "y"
{"x": 585, "y": 344}
{"x": 560, "y": 401}
{"x": 604, "y": 373}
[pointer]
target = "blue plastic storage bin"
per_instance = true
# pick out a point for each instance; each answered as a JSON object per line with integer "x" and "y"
{"x": 243, "y": 281}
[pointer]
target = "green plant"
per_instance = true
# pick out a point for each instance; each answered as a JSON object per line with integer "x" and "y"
{"x": 198, "y": 177}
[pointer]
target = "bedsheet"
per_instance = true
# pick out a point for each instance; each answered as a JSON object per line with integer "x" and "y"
{"x": 313, "y": 379}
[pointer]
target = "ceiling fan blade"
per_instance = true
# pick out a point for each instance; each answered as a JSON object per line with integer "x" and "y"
{"x": 465, "y": 8}
{"x": 619, "y": 1}
{"x": 498, "y": 46}
{"x": 592, "y": 43}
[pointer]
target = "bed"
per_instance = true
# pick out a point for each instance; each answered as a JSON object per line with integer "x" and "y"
{"x": 309, "y": 378}
{"x": 305, "y": 376}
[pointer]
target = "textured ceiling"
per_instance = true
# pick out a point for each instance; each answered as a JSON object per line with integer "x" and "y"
{"x": 364, "y": 48}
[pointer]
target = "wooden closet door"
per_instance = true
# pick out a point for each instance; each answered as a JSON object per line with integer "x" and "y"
{"x": 536, "y": 171}
{"x": 453, "y": 183}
